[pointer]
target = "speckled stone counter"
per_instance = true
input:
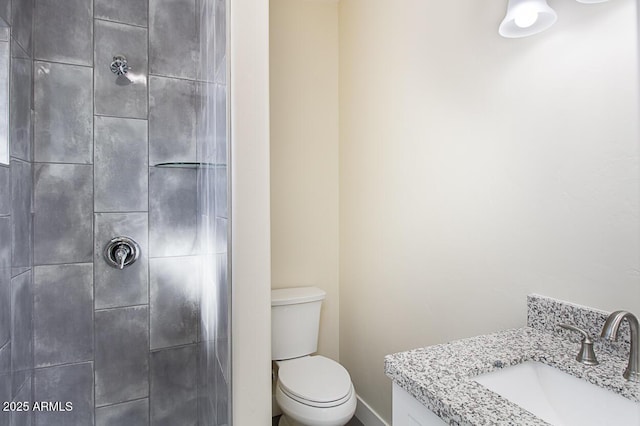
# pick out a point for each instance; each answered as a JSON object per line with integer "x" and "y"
{"x": 441, "y": 376}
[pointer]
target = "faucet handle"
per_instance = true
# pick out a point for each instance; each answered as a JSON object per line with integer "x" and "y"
{"x": 586, "y": 355}
{"x": 121, "y": 254}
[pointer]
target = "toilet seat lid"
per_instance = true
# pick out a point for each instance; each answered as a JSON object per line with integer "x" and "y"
{"x": 314, "y": 379}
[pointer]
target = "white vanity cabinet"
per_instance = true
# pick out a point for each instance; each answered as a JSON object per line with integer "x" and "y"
{"x": 408, "y": 411}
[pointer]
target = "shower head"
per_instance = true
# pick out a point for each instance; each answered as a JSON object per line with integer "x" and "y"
{"x": 119, "y": 65}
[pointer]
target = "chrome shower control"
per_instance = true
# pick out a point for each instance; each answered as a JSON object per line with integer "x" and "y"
{"x": 121, "y": 252}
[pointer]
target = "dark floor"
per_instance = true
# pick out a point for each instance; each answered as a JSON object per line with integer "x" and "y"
{"x": 352, "y": 422}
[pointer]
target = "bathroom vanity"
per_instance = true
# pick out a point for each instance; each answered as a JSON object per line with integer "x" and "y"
{"x": 437, "y": 385}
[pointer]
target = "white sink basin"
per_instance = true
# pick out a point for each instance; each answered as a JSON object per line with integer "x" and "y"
{"x": 559, "y": 398}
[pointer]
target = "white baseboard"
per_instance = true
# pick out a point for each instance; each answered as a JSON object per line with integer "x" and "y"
{"x": 367, "y": 416}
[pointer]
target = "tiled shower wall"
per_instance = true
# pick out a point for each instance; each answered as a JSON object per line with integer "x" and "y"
{"x": 16, "y": 230}
{"x": 125, "y": 347}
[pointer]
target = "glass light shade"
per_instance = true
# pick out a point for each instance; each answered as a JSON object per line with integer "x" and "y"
{"x": 591, "y": 1}
{"x": 527, "y": 17}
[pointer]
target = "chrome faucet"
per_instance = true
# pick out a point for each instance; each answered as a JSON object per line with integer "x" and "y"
{"x": 610, "y": 331}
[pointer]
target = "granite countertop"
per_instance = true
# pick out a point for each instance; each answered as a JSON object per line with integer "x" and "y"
{"x": 441, "y": 376}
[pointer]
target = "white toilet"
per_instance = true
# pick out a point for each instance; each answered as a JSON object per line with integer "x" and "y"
{"x": 311, "y": 390}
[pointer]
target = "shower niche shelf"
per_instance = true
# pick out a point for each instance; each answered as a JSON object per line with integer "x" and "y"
{"x": 190, "y": 165}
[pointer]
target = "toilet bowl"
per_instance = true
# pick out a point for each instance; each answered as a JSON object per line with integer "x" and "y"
{"x": 311, "y": 390}
{"x": 314, "y": 391}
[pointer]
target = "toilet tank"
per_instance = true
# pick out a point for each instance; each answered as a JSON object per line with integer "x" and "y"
{"x": 295, "y": 321}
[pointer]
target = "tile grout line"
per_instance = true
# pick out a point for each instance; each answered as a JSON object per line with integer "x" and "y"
{"x": 64, "y": 364}
{"x": 115, "y": 308}
{"x": 122, "y": 402}
{"x": 32, "y": 215}
{"x": 148, "y": 172}
{"x": 93, "y": 203}
{"x": 111, "y": 21}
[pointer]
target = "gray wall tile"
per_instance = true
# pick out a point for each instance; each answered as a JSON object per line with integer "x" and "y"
{"x": 212, "y": 231}
{"x": 220, "y": 185}
{"x": 19, "y": 379}
{"x": 222, "y": 234}
{"x": 213, "y": 382}
{"x": 114, "y": 287}
{"x": 174, "y": 293}
{"x": 205, "y": 410}
{"x": 172, "y": 212}
{"x": 5, "y": 280}
{"x": 216, "y": 394}
{"x": 64, "y": 214}
{"x": 21, "y": 327}
{"x": 5, "y": 193}
{"x": 5, "y": 360}
{"x": 212, "y": 123}
{"x": 207, "y": 331}
{"x": 21, "y": 105}
{"x": 63, "y": 128}
{"x": 221, "y": 396}
{"x": 122, "y": 354}
{"x": 72, "y": 383}
{"x": 172, "y": 120}
{"x": 21, "y": 203}
{"x": 221, "y": 124}
{"x": 5, "y": 11}
{"x": 220, "y": 41}
{"x": 5, "y": 381}
{"x": 120, "y": 96}
{"x": 133, "y": 12}
{"x": 23, "y": 418}
{"x": 134, "y": 413}
{"x": 205, "y": 231}
{"x": 121, "y": 165}
{"x": 222, "y": 306}
{"x": 22, "y": 25}
{"x": 5, "y": 72}
{"x": 206, "y": 40}
{"x": 173, "y": 53}
{"x": 63, "y": 314}
{"x": 215, "y": 180}
{"x": 174, "y": 387}
{"x": 18, "y": 52}
{"x": 205, "y": 120}
{"x": 18, "y": 271}
{"x": 64, "y": 31}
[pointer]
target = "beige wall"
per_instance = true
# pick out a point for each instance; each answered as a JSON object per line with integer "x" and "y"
{"x": 476, "y": 169}
{"x": 250, "y": 260}
{"x": 304, "y": 153}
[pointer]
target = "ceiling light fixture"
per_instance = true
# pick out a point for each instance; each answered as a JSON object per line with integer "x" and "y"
{"x": 528, "y": 17}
